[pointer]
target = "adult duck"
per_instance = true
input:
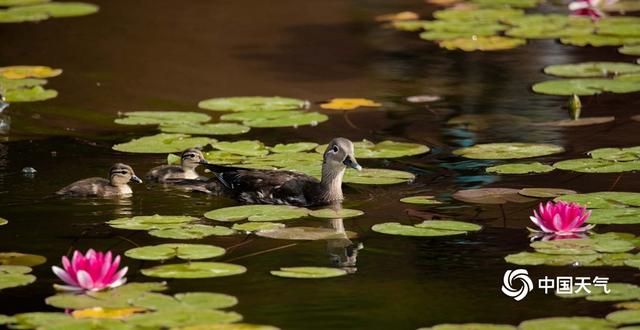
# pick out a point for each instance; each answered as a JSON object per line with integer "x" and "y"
{"x": 287, "y": 187}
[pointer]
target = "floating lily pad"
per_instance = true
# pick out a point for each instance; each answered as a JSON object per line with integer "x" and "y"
{"x": 567, "y": 323}
{"x": 549, "y": 31}
{"x": 219, "y": 157}
{"x": 295, "y": 120}
{"x": 586, "y": 86}
{"x": 10, "y": 16}
{"x": 384, "y": 149}
{"x": 194, "y": 270}
{"x": 604, "y": 199}
{"x": 617, "y": 154}
{"x": 624, "y": 317}
{"x": 582, "y": 246}
{"x": 308, "y": 272}
{"x": 293, "y": 147}
{"x": 10, "y": 84}
{"x": 3, "y": 221}
{"x": 21, "y": 259}
{"x": 624, "y": 30}
{"x": 508, "y": 150}
{"x": 244, "y": 147}
{"x": 38, "y": 319}
{"x": 11, "y": 3}
{"x": 477, "y": 14}
{"x": 33, "y": 94}
{"x": 206, "y": 129}
{"x": 423, "y": 200}
{"x": 59, "y": 9}
{"x": 223, "y": 326}
{"x": 257, "y": 213}
{"x": 471, "y": 326}
{"x": 409, "y": 25}
{"x": 246, "y": 116}
{"x": 181, "y": 317}
{"x": 590, "y": 165}
{"x": 161, "y": 118}
{"x": 449, "y": 225}
{"x": 13, "y": 276}
{"x": 545, "y": 192}
{"x": 377, "y": 176}
{"x": 556, "y": 20}
{"x": 620, "y": 216}
{"x": 151, "y": 222}
{"x": 591, "y": 69}
{"x": 182, "y": 251}
{"x": 598, "y": 40}
{"x": 490, "y": 43}
{"x": 333, "y": 214}
{"x": 508, "y": 3}
{"x": 349, "y": 104}
{"x": 28, "y": 71}
{"x": 192, "y": 232}
{"x": 306, "y": 233}
{"x": 394, "y": 228}
{"x": 120, "y": 297}
{"x": 630, "y": 50}
{"x": 577, "y": 122}
{"x": 163, "y": 143}
{"x": 190, "y": 300}
{"x": 491, "y": 196}
{"x": 536, "y": 258}
{"x": 447, "y": 35}
{"x": 253, "y": 103}
{"x": 257, "y": 226}
{"x": 524, "y": 168}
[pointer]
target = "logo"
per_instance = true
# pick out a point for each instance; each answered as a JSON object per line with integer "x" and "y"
{"x": 521, "y": 277}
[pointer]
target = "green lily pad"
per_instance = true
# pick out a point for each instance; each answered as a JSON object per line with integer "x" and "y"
{"x": 423, "y": 200}
{"x": 227, "y": 326}
{"x": 206, "y": 129}
{"x": 525, "y": 168}
{"x": 333, "y": 214}
{"x": 545, "y": 192}
{"x": 244, "y": 147}
{"x": 181, "y": 317}
{"x": 151, "y": 222}
{"x": 293, "y": 147}
{"x": 9, "y": 16}
{"x": 508, "y": 3}
{"x": 295, "y": 120}
{"x": 192, "y": 232}
{"x": 253, "y": 103}
{"x": 257, "y": 213}
{"x": 508, "y": 150}
{"x": 257, "y": 226}
{"x": 39, "y": 319}
{"x": 471, "y": 326}
{"x": 449, "y": 225}
{"x": 463, "y": 26}
{"x": 477, "y": 14}
{"x": 246, "y": 116}
{"x": 220, "y": 157}
{"x": 624, "y": 30}
{"x": 491, "y": 196}
{"x": 567, "y": 323}
{"x": 591, "y": 69}
{"x": 189, "y": 300}
{"x": 377, "y": 176}
{"x": 384, "y": 149}
{"x": 590, "y": 165}
{"x": 120, "y": 297}
{"x": 598, "y": 40}
{"x": 410, "y": 25}
{"x": 556, "y": 20}
{"x": 13, "y": 276}
{"x": 582, "y": 246}
{"x": 169, "y": 251}
{"x": 394, "y": 228}
{"x": 490, "y": 43}
{"x": 33, "y": 94}
{"x": 549, "y": 32}
{"x": 624, "y": 317}
{"x": 306, "y": 234}
{"x": 59, "y": 9}
{"x": 630, "y": 50}
{"x": 21, "y": 259}
{"x": 618, "y": 292}
{"x": 603, "y": 199}
{"x": 308, "y": 272}
{"x": 11, "y": 3}
{"x": 577, "y": 122}
{"x": 586, "y": 86}
{"x": 163, "y": 143}
{"x": 536, "y": 258}
{"x": 28, "y": 71}
{"x": 161, "y": 118}
{"x": 3, "y": 221}
{"x": 621, "y": 216}
{"x": 446, "y": 35}
{"x": 617, "y": 154}
{"x": 10, "y": 84}
{"x": 194, "y": 270}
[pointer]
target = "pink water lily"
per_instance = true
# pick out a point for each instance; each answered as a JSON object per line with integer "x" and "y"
{"x": 591, "y": 8}
{"x": 561, "y": 218}
{"x": 92, "y": 271}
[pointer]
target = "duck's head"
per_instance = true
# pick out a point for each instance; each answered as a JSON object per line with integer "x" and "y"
{"x": 120, "y": 174}
{"x": 340, "y": 155}
{"x": 191, "y": 158}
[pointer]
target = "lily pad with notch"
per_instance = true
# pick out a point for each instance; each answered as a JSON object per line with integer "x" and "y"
{"x": 591, "y": 165}
{"x": 524, "y": 168}
{"x": 545, "y": 192}
{"x": 395, "y": 228}
{"x": 384, "y": 149}
{"x": 253, "y": 103}
{"x": 508, "y": 150}
{"x": 488, "y": 43}
{"x": 257, "y": 226}
{"x": 205, "y": 129}
{"x": 181, "y": 251}
{"x": 308, "y": 272}
{"x": 192, "y": 231}
{"x": 161, "y": 118}
{"x": 192, "y": 270}
{"x": 421, "y": 200}
{"x": 257, "y": 213}
{"x": 603, "y": 199}
{"x": 491, "y": 196}
{"x": 335, "y": 214}
{"x": 306, "y": 233}
{"x": 30, "y": 94}
{"x": 163, "y": 143}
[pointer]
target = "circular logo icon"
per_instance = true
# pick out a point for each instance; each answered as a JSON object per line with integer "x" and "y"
{"x": 516, "y": 284}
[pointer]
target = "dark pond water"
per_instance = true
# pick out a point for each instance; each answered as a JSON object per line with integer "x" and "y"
{"x": 168, "y": 55}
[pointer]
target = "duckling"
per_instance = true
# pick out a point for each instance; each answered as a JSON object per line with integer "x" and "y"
{"x": 189, "y": 161}
{"x": 287, "y": 187}
{"x": 119, "y": 175}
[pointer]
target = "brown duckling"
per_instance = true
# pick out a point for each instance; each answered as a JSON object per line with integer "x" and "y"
{"x": 117, "y": 184}
{"x": 189, "y": 161}
{"x": 287, "y": 187}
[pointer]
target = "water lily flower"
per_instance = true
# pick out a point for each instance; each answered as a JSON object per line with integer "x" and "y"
{"x": 561, "y": 218}
{"x": 589, "y": 8}
{"x": 92, "y": 271}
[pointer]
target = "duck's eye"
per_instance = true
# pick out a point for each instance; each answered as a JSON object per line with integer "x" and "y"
{"x": 120, "y": 172}
{"x": 335, "y": 149}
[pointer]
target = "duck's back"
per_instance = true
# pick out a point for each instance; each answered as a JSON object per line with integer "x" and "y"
{"x": 166, "y": 173}
{"x": 271, "y": 187}
{"x": 90, "y": 187}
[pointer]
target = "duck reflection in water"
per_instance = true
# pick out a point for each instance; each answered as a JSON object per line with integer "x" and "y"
{"x": 342, "y": 251}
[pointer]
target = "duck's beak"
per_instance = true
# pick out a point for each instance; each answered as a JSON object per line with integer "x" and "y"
{"x": 136, "y": 179}
{"x": 203, "y": 161}
{"x": 349, "y": 161}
